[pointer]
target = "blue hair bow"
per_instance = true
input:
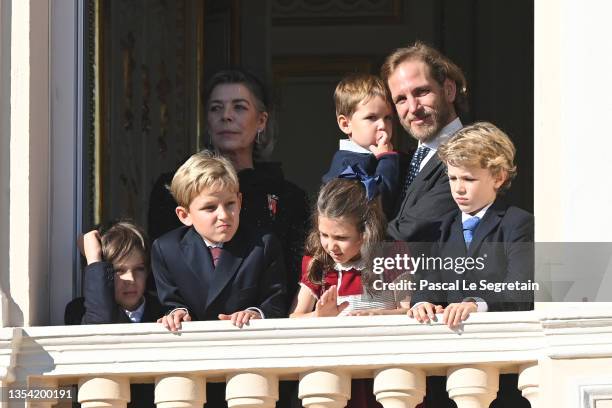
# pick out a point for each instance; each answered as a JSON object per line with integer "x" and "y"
{"x": 370, "y": 183}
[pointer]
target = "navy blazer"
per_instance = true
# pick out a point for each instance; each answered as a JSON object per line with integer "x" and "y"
{"x": 98, "y": 306}
{"x": 386, "y": 165}
{"x": 250, "y": 273}
{"x": 427, "y": 201}
{"x": 506, "y": 235}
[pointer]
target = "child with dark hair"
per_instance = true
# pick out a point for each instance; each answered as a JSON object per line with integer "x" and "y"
{"x": 114, "y": 288}
{"x": 115, "y": 279}
{"x": 348, "y": 224}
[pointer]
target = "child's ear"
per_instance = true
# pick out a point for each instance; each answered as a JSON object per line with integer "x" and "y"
{"x": 500, "y": 179}
{"x": 183, "y": 215}
{"x": 344, "y": 124}
{"x": 239, "y": 199}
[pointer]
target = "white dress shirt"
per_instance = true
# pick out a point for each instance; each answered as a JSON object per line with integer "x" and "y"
{"x": 445, "y": 134}
{"x": 135, "y": 316}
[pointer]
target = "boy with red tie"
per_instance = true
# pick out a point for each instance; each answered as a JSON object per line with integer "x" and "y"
{"x": 210, "y": 268}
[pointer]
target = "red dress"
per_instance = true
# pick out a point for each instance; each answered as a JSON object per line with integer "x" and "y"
{"x": 362, "y": 395}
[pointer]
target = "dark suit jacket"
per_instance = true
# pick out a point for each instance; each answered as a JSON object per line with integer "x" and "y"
{"x": 250, "y": 273}
{"x": 269, "y": 202}
{"x": 505, "y": 235}
{"x": 98, "y": 307}
{"x": 387, "y": 166}
{"x": 428, "y": 200}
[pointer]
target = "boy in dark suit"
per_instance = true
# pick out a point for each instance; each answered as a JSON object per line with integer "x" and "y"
{"x": 497, "y": 237}
{"x": 115, "y": 279}
{"x": 209, "y": 268}
{"x": 114, "y": 288}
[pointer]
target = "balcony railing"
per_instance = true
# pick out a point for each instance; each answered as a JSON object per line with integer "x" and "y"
{"x": 323, "y": 354}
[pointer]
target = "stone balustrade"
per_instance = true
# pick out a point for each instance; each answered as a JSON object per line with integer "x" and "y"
{"x": 323, "y": 355}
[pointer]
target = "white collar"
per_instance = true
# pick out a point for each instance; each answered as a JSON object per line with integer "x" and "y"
{"x": 357, "y": 265}
{"x": 444, "y": 134}
{"x": 136, "y": 315}
{"x": 479, "y": 214}
{"x": 349, "y": 145}
{"x": 211, "y": 244}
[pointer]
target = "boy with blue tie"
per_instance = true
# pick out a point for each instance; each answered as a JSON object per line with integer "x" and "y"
{"x": 210, "y": 268}
{"x": 497, "y": 237}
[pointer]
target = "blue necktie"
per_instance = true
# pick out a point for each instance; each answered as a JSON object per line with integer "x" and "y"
{"x": 469, "y": 226}
{"x": 415, "y": 165}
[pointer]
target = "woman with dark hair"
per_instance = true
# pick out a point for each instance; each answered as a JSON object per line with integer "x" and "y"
{"x": 239, "y": 123}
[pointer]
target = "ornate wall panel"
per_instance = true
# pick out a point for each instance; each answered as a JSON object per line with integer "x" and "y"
{"x": 149, "y": 87}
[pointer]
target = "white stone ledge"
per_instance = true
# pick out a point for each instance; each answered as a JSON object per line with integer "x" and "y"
{"x": 288, "y": 347}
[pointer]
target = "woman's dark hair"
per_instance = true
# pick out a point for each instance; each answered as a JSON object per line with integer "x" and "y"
{"x": 264, "y": 144}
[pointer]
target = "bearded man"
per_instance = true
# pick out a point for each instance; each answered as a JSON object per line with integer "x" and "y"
{"x": 428, "y": 91}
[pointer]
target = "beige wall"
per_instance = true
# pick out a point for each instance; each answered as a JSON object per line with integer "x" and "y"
{"x": 565, "y": 383}
{"x": 29, "y": 163}
{"x": 572, "y": 107}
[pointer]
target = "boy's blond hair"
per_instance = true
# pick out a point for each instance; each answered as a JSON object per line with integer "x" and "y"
{"x": 203, "y": 170}
{"x": 482, "y": 144}
{"x": 354, "y": 89}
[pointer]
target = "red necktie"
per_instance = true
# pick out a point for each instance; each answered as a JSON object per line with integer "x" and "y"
{"x": 215, "y": 252}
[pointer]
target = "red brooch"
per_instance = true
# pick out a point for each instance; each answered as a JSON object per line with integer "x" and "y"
{"x": 272, "y": 205}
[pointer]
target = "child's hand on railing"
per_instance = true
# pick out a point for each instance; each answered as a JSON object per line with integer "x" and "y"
{"x": 172, "y": 321}
{"x": 241, "y": 318}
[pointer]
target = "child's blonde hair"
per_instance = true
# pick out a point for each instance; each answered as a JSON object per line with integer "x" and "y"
{"x": 203, "y": 170}
{"x": 354, "y": 89}
{"x": 121, "y": 239}
{"x": 482, "y": 144}
{"x": 344, "y": 198}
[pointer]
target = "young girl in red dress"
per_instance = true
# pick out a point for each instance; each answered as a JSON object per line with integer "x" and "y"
{"x": 348, "y": 225}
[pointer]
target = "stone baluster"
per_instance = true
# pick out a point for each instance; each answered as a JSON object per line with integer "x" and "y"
{"x": 42, "y": 384}
{"x": 399, "y": 387}
{"x": 529, "y": 383}
{"x": 104, "y": 392}
{"x": 180, "y": 391}
{"x": 472, "y": 386}
{"x": 251, "y": 390}
{"x": 325, "y": 389}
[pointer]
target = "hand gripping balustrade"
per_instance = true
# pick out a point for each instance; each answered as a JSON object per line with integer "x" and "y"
{"x": 324, "y": 355}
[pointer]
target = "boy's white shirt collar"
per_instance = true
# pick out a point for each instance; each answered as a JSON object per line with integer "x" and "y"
{"x": 136, "y": 315}
{"x": 212, "y": 245}
{"x": 479, "y": 214}
{"x": 349, "y": 145}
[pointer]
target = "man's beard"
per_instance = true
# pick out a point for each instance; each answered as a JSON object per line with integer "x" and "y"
{"x": 440, "y": 117}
